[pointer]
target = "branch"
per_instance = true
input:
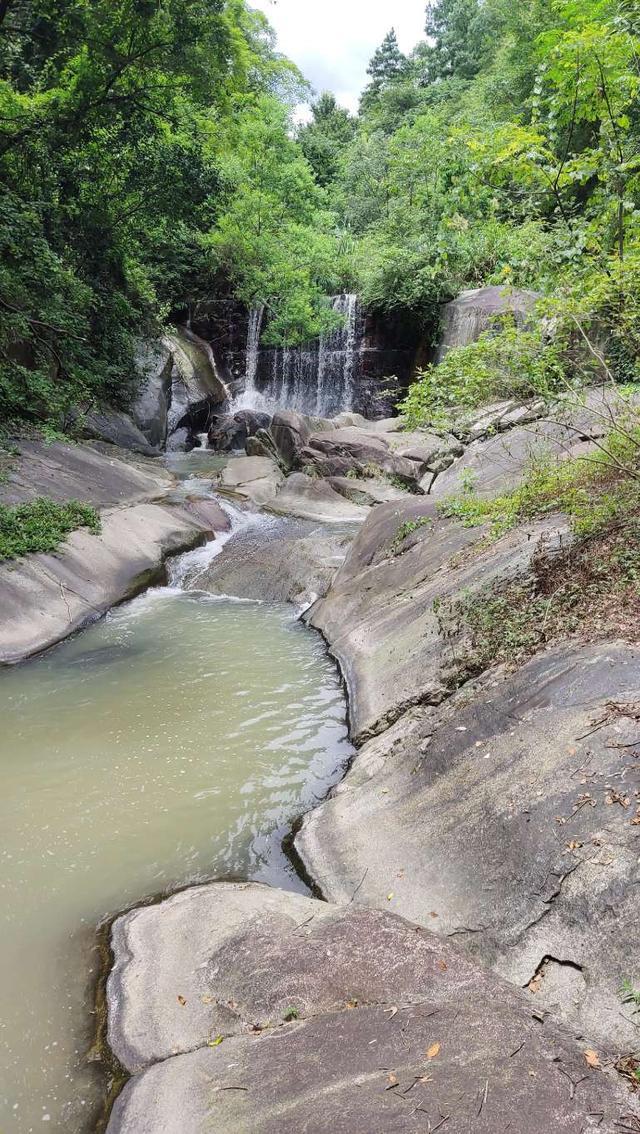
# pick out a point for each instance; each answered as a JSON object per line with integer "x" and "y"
{"x": 40, "y": 323}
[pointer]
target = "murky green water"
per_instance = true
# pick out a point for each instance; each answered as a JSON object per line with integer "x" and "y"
{"x": 174, "y": 741}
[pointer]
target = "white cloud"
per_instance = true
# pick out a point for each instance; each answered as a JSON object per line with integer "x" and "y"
{"x": 332, "y": 41}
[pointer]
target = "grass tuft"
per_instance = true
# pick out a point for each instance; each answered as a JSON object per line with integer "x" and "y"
{"x": 42, "y": 525}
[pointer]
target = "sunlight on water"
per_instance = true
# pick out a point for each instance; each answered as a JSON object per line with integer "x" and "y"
{"x": 174, "y": 741}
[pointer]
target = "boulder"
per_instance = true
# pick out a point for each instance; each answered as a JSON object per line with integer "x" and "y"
{"x": 261, "y": 444}
{"x": 290, "y": 432}
{"x": 366, "y": 490}
{"x": 180, "y": 441}
{"x": 349, "y": 447}
{"x": 500, "y": 464}
{"x": 154, "y": 363}
{"x": 381, "y": 615}
{"x": 46, "y": 597}
{"x": 242, "y": 1009}
{"x": 254, "y": 478}
{"x": 231, "y": 431}
{"x": 507, "y": 820}
{"x": 116, "y": 428}
{"x": 282, "y": 561}
{"x": 304, "y": 496}
{"x": 465, "y": 318}
{"x": 194, "y": 379}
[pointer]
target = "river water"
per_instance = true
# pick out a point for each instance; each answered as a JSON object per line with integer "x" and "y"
{"x": 174, "y": 741}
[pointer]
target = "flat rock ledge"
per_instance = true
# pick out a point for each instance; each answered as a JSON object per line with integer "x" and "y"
{"x": 46, "y": 597}
{"x": 245, "y": 1010}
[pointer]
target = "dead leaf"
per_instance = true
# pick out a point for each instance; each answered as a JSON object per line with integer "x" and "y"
{"x": 433, "y": 1051}
{"x": 442, "y": 965}
{"x": 352, "y": 1003}
{"x": 433, "y": 914}
{"x": 574, "y": 845}
{"x": 592, "y": 1058}
{"x": 182, "y": 1001}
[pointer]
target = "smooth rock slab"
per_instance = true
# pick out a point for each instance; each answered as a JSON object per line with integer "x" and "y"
{"x": 505, "y": 819}
{"x": 254, "y": 478}
{"x": 65, "y": 472}
{"x": 395, "y": 1030}
{"x": 381, "y": 615}
{"x": 46, "y": 597}
{"x": 501, "y": 463}
{"x": 313, "y": 499}
{"x": 289, "y": 562}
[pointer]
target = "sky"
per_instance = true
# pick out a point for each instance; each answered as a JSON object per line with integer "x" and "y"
{"x": 332, "y": 41}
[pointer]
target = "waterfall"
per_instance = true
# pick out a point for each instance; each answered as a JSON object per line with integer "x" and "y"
{"x": 253, "y": 346}
{"x": 315, "y": 378}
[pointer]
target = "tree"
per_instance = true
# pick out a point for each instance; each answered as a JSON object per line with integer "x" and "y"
{"x": 387, "y": 66}
{"x": 324, "y": 139}
{"x": 460, "y": 31}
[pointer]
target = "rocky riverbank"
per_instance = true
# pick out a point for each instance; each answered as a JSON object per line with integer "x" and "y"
{"x": 46, "y": 597}
{"x": 479, "y": 861}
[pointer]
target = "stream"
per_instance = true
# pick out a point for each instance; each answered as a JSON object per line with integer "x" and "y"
{"x": 172, "y": 742}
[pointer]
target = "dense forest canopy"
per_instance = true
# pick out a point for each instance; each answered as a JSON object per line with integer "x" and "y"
{"x": 150, "y": 162}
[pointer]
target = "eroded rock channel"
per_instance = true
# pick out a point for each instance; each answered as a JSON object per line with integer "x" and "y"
{"x": 479, "y": 861}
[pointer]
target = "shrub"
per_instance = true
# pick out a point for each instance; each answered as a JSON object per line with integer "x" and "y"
{"x": 42, "y": 525}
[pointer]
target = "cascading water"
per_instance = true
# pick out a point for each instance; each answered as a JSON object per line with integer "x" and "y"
{"x": 318, "y": 378}
{"x": 251, "y": 398}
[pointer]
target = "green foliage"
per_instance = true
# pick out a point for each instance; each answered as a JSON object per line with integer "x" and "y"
{"x": 629, "y": 994}
{"x": 42, "y": 525}
{"x": 385, "y": 69}
{"x": 407, "y": 529}
{"x": 118, "y": 122}
{"x": 508, "y": 362}
{"x": 325, "y": 137}
{"x": 593, "y": 492}
{"x": 591, "y": 590}
{"x": 149, "y": 161}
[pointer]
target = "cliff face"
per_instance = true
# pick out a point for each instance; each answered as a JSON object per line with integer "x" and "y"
{"x": 363, "y": 366}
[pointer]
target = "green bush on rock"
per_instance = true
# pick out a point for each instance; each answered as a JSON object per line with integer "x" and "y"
{"x": 42, "y": 525}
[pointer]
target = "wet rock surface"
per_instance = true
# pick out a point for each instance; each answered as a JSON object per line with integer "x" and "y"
{"x": 289, "y": 561}
{"x": 499, "y": 819}
{"x": 46, "y": 597}
{"x": 154, "y": 363}
{"x": 389, "y": 1027}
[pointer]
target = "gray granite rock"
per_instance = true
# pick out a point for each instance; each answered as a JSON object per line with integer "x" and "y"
{"x": 252, "y": 478}
{"x": 465, "y": 318}
{"x": 315, "y": 499}
{"x": 288, "y": 561}
{"x": 390, "y": 1028}
{"x": 500, "y": 464}
{"x": 153, "y": 365}
{"x": 381, "y": 615}
{"x": 505, "y": 820}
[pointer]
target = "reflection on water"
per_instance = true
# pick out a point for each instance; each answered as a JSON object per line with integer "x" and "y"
{"x": 174, "y": 741}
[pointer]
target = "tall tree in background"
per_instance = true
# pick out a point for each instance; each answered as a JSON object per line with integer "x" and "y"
{"x": 459, "y": 38}
{"x": 324, "y": 138}
{"x": 387, "y": 66}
